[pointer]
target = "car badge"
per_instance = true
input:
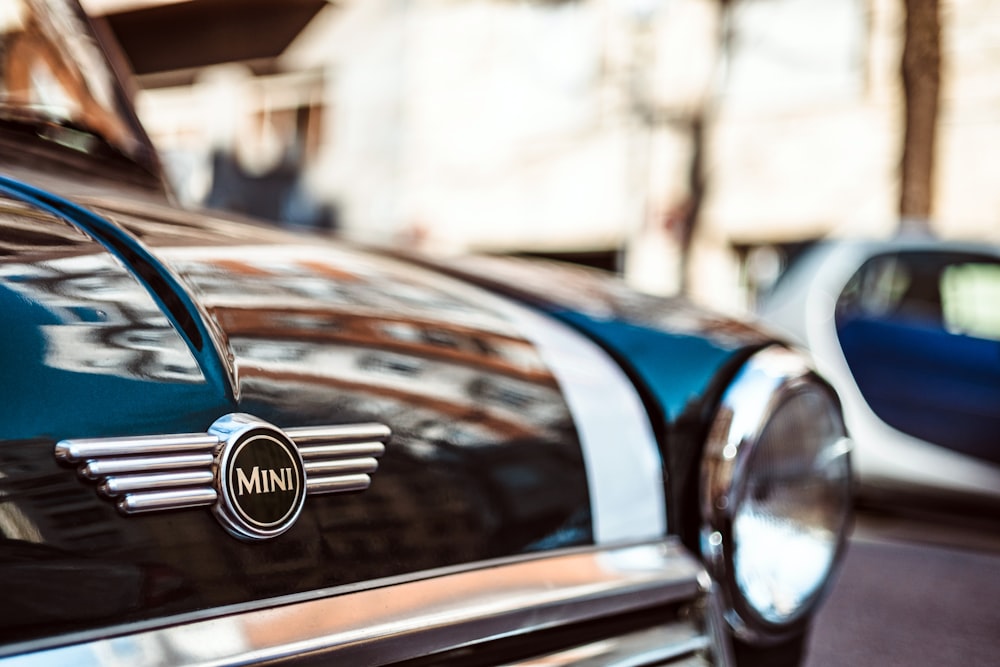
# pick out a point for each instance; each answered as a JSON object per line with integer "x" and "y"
{"x": 255, "y": 476}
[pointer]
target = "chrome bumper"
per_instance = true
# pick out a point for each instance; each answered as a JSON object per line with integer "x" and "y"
{"x": 654, "y": 598}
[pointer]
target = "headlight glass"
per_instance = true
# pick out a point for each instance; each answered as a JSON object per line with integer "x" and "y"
{"x": 776, "y": 493}
{"x": 792, "y": 507}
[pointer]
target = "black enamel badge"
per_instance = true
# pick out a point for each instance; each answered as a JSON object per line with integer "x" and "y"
{"x": 262, "y": 480}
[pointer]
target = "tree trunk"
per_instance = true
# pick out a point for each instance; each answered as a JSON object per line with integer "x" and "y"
{"x": 921, "y": 71}
{"x": 697, "y": 127}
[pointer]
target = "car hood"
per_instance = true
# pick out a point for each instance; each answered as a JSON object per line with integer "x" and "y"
{"x": 129, "y": 319}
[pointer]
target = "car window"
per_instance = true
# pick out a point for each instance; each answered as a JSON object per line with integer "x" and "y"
{"x": 971, "y": 296}
{"x": 953, "y": 291}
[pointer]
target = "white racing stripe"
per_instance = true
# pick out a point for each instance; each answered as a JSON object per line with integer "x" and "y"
{"x": 624, "y": 468}
{"x": 623, "y": 464}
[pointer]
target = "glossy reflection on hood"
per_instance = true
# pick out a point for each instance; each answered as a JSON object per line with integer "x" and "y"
{"x": 344, "y": 323}
{"x": 81, "y": 327}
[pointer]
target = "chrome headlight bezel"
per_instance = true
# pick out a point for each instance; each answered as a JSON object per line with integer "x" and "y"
{"x": 766, "y": 383}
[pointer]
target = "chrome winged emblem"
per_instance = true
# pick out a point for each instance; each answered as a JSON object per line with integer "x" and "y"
{"x": 254, "y": 475}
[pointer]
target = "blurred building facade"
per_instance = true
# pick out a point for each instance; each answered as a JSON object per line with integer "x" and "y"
{"x": 639, "y": 131}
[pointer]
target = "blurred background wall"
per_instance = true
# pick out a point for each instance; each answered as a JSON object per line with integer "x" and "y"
{"x": 693, "y": 145}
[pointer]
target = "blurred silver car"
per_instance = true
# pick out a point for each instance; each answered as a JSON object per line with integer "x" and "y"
{"x": 908, "y": 331}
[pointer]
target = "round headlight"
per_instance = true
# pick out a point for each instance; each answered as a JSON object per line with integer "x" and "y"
{"x": 775, "y": 493}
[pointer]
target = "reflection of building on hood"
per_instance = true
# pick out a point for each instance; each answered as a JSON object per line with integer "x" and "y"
{"x": 116, "y": 330}
{"x": 129, "y": 351}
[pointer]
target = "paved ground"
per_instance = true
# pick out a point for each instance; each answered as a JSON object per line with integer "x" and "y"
{"x": 911, "y": 593}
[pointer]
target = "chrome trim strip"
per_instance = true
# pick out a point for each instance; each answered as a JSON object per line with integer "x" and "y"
{"x": 112, "y": 487}
{"x": 649, "y": 647}
{"x": 154, "y": 501}
{"x": 715, "y": 618}
{"x": 94, "y": 470}
{"x": 73, "y": 451}
{"x": 305, "y": 436}
{"x": 344, "y": 467}
{"x": 335, "y": 451}
{"x": 415, "y": 618}
{"x": 339, "y": 484}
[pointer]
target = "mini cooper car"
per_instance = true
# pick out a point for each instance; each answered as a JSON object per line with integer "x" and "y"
{"x": 224, "y": 444}
{"x": 908, "y": 332}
